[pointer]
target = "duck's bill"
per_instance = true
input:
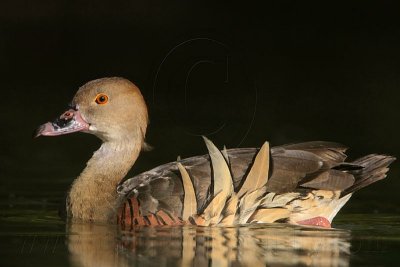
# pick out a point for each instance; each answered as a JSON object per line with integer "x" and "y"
{"x": 69, "y": 122}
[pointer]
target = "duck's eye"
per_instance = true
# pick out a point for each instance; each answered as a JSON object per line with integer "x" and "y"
{"x": 101, "y": 99}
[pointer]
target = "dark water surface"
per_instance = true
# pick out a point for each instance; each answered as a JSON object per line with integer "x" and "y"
{"x": 33, "y": 235}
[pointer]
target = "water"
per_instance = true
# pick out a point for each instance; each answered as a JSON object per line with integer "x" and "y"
{"x": 33, "y": 235}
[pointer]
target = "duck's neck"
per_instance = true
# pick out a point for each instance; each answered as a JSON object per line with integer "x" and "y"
{"x": 93, "y": 195}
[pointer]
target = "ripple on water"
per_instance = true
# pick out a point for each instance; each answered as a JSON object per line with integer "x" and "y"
{"x": 42, "y": 238}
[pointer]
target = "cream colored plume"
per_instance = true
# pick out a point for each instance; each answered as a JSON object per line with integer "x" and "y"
{"x": 227, "y": 207}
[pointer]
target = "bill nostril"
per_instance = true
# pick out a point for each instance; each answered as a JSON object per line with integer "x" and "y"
{"x": 67, "y": 115}
{"x": 66, "y": 118}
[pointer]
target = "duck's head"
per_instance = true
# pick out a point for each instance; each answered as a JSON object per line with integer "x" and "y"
{"x": 111, "y": 108}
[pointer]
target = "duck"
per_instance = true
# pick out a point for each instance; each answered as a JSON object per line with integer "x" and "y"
{"x": 301, "y": 183}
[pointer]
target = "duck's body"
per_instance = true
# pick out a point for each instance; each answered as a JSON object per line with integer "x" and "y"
{"x": 304, "y": 183}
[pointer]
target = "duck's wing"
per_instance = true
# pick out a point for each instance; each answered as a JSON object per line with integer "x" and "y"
{"x": 293, "y": 172}
{"x": 309, "y": 164}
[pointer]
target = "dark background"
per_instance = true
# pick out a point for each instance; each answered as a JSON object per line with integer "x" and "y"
{"x": 241, "y": 74}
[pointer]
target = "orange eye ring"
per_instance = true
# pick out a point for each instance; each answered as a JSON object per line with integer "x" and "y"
{"x": 101, "y": 99}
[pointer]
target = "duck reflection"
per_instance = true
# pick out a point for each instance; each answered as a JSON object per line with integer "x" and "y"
{"x": 258, "y": 245}
{"x": 94, "y": 245}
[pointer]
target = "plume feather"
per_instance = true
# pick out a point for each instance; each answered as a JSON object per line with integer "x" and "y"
{"x": 212, "y": 213}
{"x": 269, "y": 215}
{"x": 222, "y": 179}
{"x": 189, "y": 202}
{"x": 249, "y": 203}
{"x": 258, "y": 175}
{"x": 229, "y": 212}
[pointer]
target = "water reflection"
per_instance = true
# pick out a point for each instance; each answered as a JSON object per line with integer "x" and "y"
{"x": 259, "y": 245}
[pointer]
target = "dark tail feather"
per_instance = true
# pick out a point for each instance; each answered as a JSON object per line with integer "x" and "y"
{"x": 374, "y": 168}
